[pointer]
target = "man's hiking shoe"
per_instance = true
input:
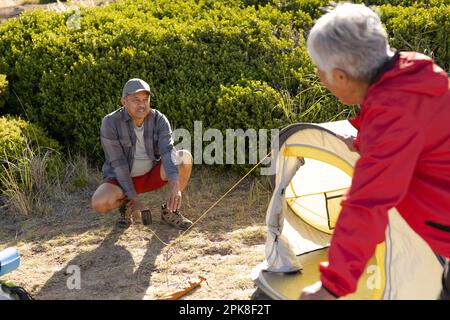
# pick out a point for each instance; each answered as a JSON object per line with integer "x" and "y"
{"x": 125, "y": 215}
{"x": 175, "y": 219}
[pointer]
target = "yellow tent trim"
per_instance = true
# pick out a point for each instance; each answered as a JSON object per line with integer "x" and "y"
{"x": 310, "y": 194}
{"x": 380, "y": 252}
{"x": 318, "y": 154}
{"x": 291, "y": 185}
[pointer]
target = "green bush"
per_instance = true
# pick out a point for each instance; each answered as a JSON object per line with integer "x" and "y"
{"x": 406, "y": 3}
{"x": 30, "y": 167}
{"x": 229, "y": 64}
{"x": 420, "y": 29}
{"x": 4, "y": 91}
{"x": 313, "y": 7}
{"x": 252, "y": 105}
{"x": 16, "y": 135}
{"x": 257, "y": 105}
{"x": 248, "y": 105}
{"x": 26, "y": 155}
{"x": 68, "y": 79}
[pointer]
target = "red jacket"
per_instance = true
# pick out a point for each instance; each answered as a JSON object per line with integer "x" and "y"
{"x": 404, "y": 144}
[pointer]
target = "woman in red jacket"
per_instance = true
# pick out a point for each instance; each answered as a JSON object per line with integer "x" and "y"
{"x": 403, "y": 140}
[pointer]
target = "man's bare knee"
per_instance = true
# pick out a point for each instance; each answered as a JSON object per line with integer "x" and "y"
{"x": 106, "y": 198}
{"x": 100, "y": 206}
{"x": 184, "y": 157}
{"x": 97, "y": 205}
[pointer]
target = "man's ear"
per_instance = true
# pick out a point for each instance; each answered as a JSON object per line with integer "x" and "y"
{"x": 123, "y": 100}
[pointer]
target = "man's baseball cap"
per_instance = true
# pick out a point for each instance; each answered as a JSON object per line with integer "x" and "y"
{"x": 135, "y": 85}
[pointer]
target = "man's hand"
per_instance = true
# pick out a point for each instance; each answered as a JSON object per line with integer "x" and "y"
{"x": 136, "y": 209}
{"x": 348, "y": 140}
{"x": 316, "y": 292}
{"x": 174, "y": 195}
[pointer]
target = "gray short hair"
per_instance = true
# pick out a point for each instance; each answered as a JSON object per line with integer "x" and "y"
{"x": 351, "y": 38}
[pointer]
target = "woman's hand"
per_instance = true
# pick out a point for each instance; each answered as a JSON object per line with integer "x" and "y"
{"x": 316, "y": 292}
{"x": 349, "y": 141}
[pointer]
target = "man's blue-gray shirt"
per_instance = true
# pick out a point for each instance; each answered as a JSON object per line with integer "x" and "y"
{"x": 119, "y": 144}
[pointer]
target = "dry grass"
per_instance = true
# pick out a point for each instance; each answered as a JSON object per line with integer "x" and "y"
{"x": 133, "y": 264}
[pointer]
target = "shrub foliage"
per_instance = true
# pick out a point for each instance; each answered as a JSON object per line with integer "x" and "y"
{"x": 231, "y": 64}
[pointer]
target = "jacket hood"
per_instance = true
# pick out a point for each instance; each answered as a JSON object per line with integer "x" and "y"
{"x": 413, "y": 72}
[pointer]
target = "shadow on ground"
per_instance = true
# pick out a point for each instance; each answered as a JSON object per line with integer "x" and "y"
{"x": 108, "y": 272}
{"x": 259, "y": 295}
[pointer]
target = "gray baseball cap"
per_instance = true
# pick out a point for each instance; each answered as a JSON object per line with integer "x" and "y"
{"x": 135, "y": 85}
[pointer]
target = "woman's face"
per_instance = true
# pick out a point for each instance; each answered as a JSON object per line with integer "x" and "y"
{"x": 343, "y": 87}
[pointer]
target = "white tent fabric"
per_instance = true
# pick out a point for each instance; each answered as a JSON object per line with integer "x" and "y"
{"x": 279, "y": 252}
{"x": 411, "y": 262}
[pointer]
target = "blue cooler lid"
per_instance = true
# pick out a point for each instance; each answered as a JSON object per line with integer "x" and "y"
{"x": 9, "y": 260}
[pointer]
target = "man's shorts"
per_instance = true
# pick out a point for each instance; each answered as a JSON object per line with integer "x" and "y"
{"x": 148, "y": 182}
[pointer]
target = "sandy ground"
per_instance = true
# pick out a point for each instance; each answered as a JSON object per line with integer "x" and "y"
{"x": 133, "y": 263}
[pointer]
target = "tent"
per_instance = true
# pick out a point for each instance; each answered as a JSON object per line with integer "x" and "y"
{"x": 313, "y": 172}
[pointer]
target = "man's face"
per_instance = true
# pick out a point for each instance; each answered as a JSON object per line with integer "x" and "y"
{"x": 137, "y": 104}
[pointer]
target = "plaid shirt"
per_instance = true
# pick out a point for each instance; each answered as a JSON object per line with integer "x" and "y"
{"x": 119, "y": 144}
